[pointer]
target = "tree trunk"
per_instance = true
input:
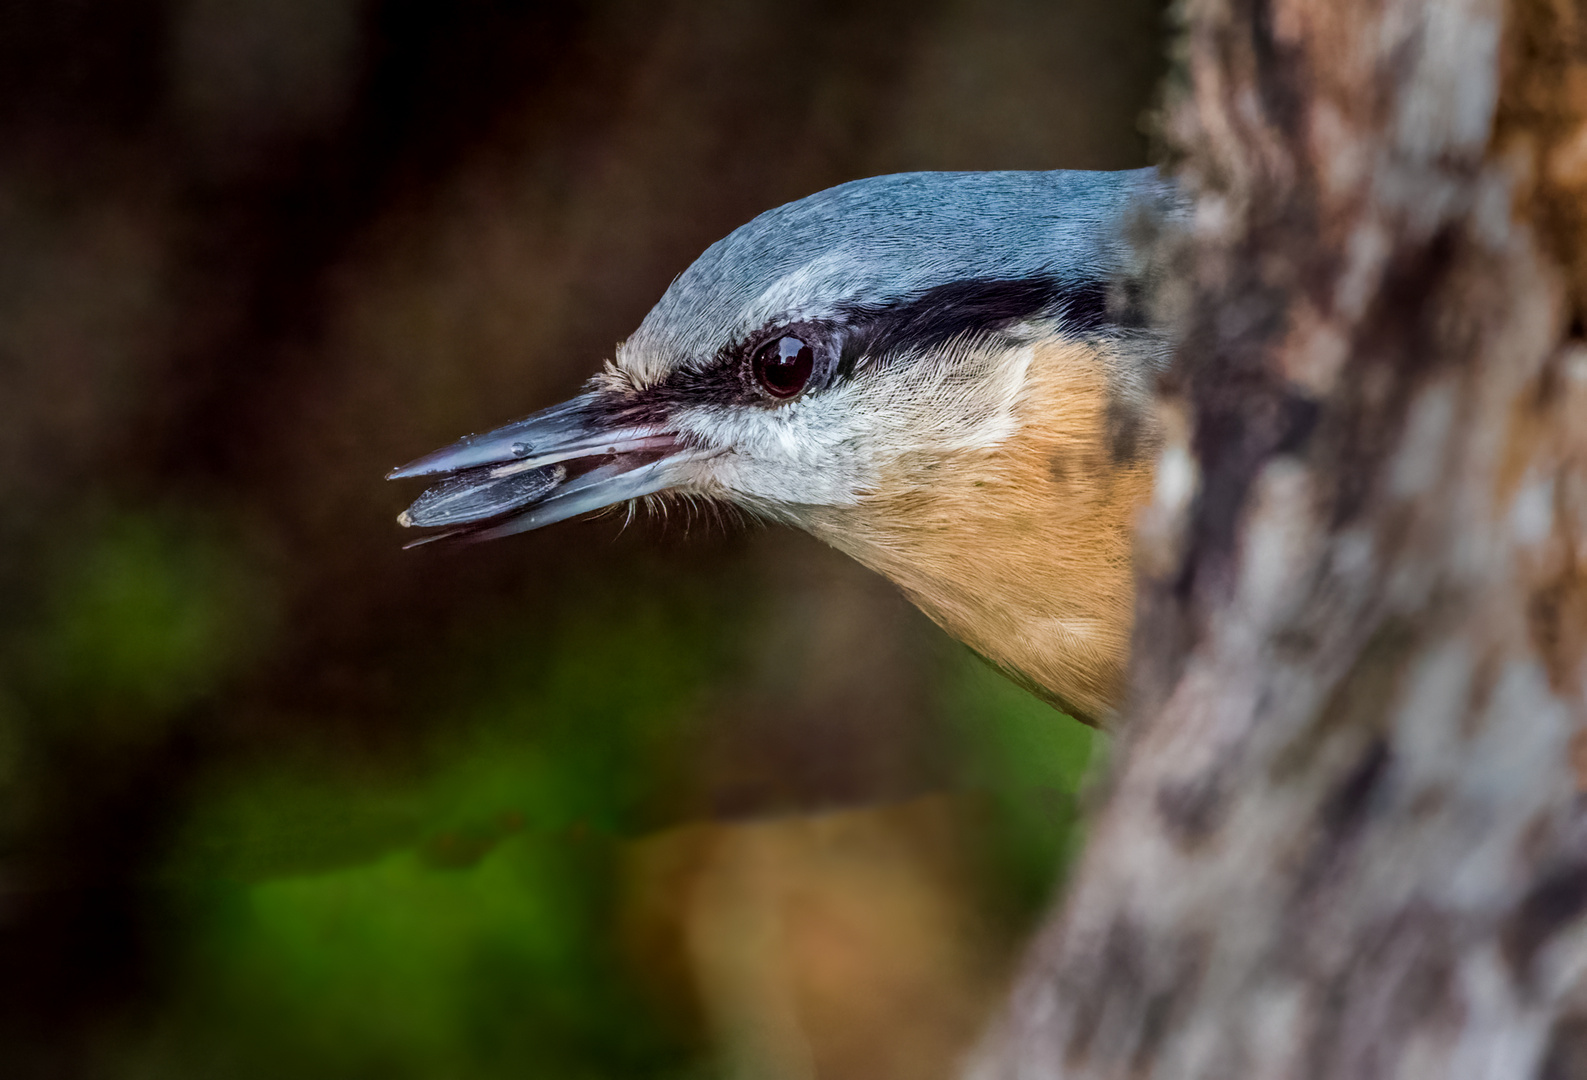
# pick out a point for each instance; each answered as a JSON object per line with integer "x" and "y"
{"x": 1343, "y": 835}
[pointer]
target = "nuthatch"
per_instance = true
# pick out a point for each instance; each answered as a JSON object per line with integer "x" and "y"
{"x": 942, "y": 374}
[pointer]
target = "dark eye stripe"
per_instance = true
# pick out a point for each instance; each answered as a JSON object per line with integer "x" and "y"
{"x": 878, "y": 332}
{"x": 961, "y": 307}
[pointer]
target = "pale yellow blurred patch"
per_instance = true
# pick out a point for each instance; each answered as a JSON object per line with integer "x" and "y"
{"x": 842, "y": 946}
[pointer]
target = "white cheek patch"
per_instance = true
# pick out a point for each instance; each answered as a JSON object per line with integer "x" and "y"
{"x": 810, "y": 452}
{"x": 833, "y": 448}
{"x": 961, "y": 400}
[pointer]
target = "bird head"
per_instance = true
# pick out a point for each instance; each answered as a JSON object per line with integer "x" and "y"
{"x": 929, "y": 371}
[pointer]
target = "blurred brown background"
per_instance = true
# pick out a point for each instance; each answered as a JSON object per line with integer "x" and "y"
{"x": 278, "y": 798}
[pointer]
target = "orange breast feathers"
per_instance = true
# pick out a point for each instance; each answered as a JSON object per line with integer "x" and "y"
{"x": 1022, "y": 549}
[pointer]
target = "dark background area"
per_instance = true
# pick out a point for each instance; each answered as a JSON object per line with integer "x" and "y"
{"x": 692, "y": 798}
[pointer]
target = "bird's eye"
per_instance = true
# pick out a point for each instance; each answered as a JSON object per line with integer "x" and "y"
{"x": 783, "y": 366}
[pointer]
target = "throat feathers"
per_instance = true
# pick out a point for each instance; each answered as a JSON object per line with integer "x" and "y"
{"x": 1021, "y": 547}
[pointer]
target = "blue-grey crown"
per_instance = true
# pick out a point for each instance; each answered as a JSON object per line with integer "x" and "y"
{"x": 889, "y": 240}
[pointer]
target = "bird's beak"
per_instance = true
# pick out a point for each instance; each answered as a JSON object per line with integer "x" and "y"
{"x": 566, "y": 460}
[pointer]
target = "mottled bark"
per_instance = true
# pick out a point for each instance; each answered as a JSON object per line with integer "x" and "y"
{"x": 1343, "y": 835}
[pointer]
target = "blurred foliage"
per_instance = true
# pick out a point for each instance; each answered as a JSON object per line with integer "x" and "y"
{"x": 459, "y": 917}
{"x": 454, "y": 911}
{"x": 143, "y": 618}
{"x": 411, "y": 967}
{"x": 1028, "y": 763}
{"x": 577, "y": 736}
